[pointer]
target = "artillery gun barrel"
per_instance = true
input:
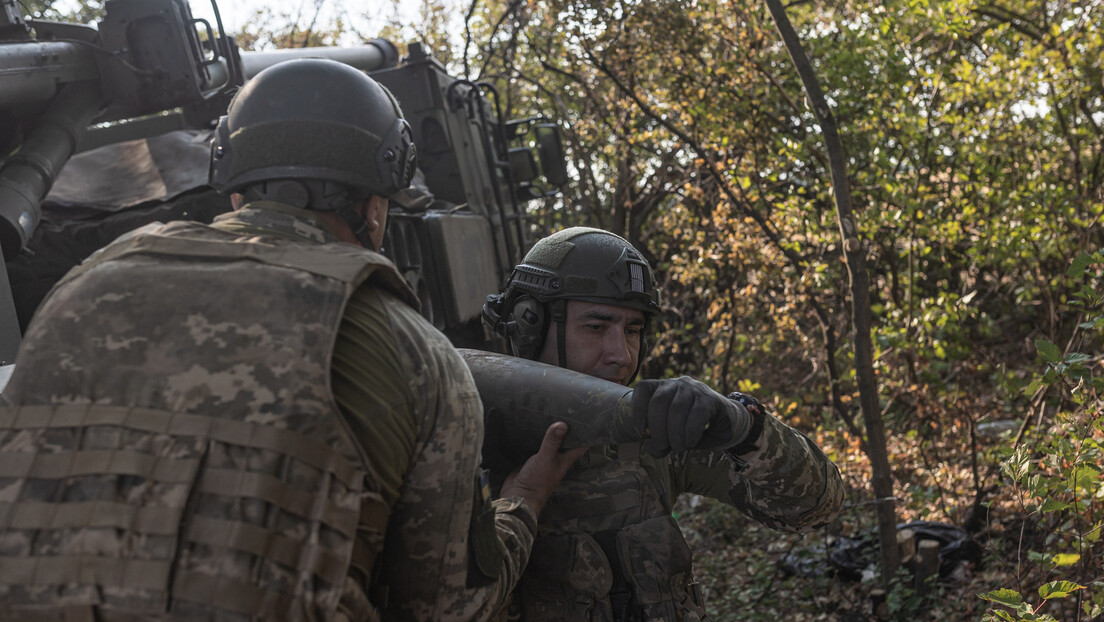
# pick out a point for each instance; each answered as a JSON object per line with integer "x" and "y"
{"x": 31, "y": 72}
{"x": 377, "y": 54}
{"x": 28, "y": 174}
{"x": 521, "y": 398}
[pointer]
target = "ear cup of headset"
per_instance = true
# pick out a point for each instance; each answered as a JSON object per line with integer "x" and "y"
{"x": 525, "y": 327}
{"x": 521, "y": 320}
{"x": 528, "y": 317}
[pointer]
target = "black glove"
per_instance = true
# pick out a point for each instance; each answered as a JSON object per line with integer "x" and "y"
{"x": 684, "y": 413}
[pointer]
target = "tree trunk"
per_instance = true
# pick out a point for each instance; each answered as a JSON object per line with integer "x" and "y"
{"x": 855, "y": 257}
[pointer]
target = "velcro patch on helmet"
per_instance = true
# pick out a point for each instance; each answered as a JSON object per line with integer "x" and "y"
{"x": 637, "y": 282}
{"x": 552, "y": 250}
{"x": 550, "y": 253}
{"x": 580, "y": 285}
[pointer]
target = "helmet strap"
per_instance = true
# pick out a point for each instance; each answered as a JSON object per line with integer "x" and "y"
{"x": 357, "y": 223}
{"x": 639, "y": 358}
{"x": 559, "y": 316}
{"x": 317, "y": 195}
{"x": 291, "y": 192}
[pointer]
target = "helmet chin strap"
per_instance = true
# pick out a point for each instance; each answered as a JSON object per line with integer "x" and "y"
{"x": 358, "y": 224}
{"x": 642, "y": 350}
{"x": 559, "y": 316}
{"x": 639, "y": 362}
{"x": 558, "y": 309}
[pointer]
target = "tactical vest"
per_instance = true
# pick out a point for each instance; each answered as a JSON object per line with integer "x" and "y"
{"x": 608, "y": 549}
{"x": 169, "y": 445}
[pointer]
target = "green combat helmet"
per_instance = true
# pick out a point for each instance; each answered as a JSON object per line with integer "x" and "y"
{"x": 315, "y": 134}
{"x": 579, "y": 263}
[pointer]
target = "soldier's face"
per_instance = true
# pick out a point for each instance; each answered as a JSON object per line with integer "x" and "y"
{"x": 601, "y": 340}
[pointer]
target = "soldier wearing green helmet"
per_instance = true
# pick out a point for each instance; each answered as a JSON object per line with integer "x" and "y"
{"x": 250, "y": 420}
{"x": 608, "y": 548}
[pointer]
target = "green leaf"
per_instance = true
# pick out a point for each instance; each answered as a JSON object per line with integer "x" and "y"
{"x": 1066, "y": 559}
{"x": 1059, "y": 589}
{"x": 1076, "y": 357}
{"x": 1017, "y": 465}
{"x": 1084, "y": 477}
{"x": 1000, "y": 613}
{"x": 1032, "y": 387}
{"x": 1048, "y": 350}
{"x": 1053, "y": 505}
{"x": 1003, "y": 596}
{"x": 1077, "y": 268}
{"x": 1094, "y": 534}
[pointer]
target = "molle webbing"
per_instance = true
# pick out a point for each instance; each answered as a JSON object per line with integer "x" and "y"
{"x": 618, "y": 502}
{"x": 245, "y": 483}
{"x": 146, "y": 420}
{"x": 608, "y": 547}
{"x": 182, "y": 444}
{"x": 374, "y": 514}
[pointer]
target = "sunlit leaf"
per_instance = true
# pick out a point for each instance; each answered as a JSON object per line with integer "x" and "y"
{"x": 1003, "y": 596}
{"x": 1066, "y": 559}
{"x": 1059, "y": 589}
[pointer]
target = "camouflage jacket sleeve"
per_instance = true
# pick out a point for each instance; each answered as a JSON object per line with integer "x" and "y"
{"x": 427, "y": 567}
{"x": 786, "y": 482}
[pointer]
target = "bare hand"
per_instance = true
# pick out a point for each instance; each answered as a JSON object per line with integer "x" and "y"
{"x": 541, "y": 474}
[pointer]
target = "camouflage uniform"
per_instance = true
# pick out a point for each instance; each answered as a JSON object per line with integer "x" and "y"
{"x": 170, "y": 446}
{"x": 609, "y": 549}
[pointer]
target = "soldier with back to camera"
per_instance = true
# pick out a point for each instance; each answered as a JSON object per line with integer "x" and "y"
{"x": 250, "y": 420}
{"x": 608, "y": 547}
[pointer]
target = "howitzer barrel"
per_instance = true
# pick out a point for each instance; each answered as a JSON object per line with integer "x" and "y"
{"x": 31, "y": 72}
{"x": 521, "y": 398}
{"x": 377, "y": 54}
{"x": 28, "y": 174}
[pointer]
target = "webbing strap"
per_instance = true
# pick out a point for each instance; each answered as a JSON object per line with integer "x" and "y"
{"x": 265, "y": 543}
{"x": 97, "y": 462}
{"x": 158, "y": 521}
{"x": 374, "y": 515}
{"x": 233, "y": 595}
{"x": 58, "y": 613}
{"x": 261, "y": 486}
{"x": 374, "y": 512}
{"x": 87, "y": 570}
{"x": 248, "y": 434}
{"x": 320, "y": 503}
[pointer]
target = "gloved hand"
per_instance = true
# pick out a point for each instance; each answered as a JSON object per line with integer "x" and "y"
{"x": 683, "y": 413}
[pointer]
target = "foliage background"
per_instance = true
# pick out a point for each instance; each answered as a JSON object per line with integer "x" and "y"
{"x": 975, "y": 152}
{"x": 975, "y": 158}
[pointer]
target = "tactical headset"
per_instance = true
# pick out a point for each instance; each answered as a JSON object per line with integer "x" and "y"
{"x": 579, "y": 263}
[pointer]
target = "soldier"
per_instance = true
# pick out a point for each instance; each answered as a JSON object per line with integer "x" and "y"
{"x": 608, "y": 547}
{"x": 250, "y": 420}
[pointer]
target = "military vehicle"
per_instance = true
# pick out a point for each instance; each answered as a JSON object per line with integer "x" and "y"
{"x": 106, "y": 128}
